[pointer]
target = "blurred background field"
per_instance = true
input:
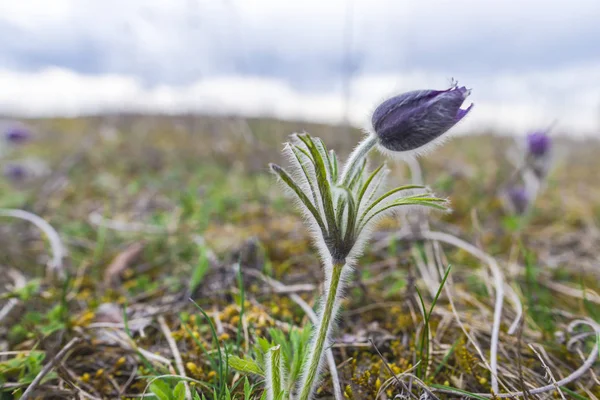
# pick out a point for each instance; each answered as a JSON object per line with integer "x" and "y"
{"x": 154, "y": 210}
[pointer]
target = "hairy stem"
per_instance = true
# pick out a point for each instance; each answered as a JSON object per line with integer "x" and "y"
{"x": 356, "y": 157}
{"x": 316, "y": 354}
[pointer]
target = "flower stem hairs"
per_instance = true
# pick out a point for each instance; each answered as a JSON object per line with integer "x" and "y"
{"x": 342, "y": 203}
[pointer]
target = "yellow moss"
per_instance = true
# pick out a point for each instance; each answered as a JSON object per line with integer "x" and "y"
{"x": 211, "y": 375}
{"x": 129, "y": 284}
{"x": 224, "y": 337}
{"x": 377, "y": 384}
{"x": 100, "y": 372}
{"x": 482, "y": 381}
{"x": 85, "y": 377}
{"x": 120, "y": 362}
{"x": 84, "y": 294}
{"x": 348, "y": 392}
{"x": 375, "y": 368}
{"x": 193, "y": 369}
{"x": 395, "y": 369}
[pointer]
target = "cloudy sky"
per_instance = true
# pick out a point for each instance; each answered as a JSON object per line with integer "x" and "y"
{"x": 529, "y": 62}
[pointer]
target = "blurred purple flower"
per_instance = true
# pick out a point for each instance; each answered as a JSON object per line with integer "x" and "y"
{"x": 538, "y": 143}
{"x": 15, "y": 172}
{"x": 519, "y": 199}
{"x": 17, "y": 135}
{"x": 414, "y": 119}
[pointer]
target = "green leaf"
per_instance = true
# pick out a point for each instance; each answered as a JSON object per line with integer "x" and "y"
{"x": 422, "y": 201}
{"x": 161, "y": 389}
{"x": 245, "y": 365}
{"x": 334, "y": 162}
{"x": 339, "y": 209}
{"x": 179, "y": 392}
{"x": 366, "y": 185}
{"x": 386, "y": 196}
{"x": 320, "y": 145}
{"x": 280, "y": 395}
{"x": 323, "y": 183}
{"x": 287, "y": 179}
{"x": 356, "y": 179}
{"x": 298, "y": 155}
{"x": 351, "y": 215}
{"x": 247, "y": 389}
{"x": 274, "y": 377}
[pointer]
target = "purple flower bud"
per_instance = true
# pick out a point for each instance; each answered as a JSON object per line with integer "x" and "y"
{"x": 519, "y": 199}
{"x": 15, "y": 172}
{"x": 414, "y": 119}
{"x": 17, "y": 135}
{"x": 538, "y": 143}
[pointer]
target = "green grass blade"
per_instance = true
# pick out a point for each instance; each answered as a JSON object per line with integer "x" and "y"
{"x": 424, "y": 342}
{"x": 458, "y": 391}
{"x": 215, "y": 337}
{"x": 200, "y": 269}
{"x": 240, "y": 327}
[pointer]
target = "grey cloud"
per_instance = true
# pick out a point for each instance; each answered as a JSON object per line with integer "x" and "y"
{"x": 181, "y": 43}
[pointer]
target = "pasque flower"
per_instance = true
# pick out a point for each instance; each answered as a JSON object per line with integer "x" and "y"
{"x": 414, "y": 119}
{"x": 538, "y": 157}
{"x": 343, "y": 203}
{"x": 15, "y": 172}
{"x": 518, "y": 198}
{"x": 17, "y": 135}
{"x": 538, "y": 143}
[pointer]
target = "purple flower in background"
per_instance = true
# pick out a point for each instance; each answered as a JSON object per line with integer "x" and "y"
{"x": 17, "y": 135}
{"x": 519, "y": 199}
{"x": 15, "y": 172}
{"x": 538, "y": 143}
{"x": 414, "y": 119}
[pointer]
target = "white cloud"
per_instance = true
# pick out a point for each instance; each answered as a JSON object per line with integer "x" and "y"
{"x": 510, "y": 102}
{"x": 529, "y": 62}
